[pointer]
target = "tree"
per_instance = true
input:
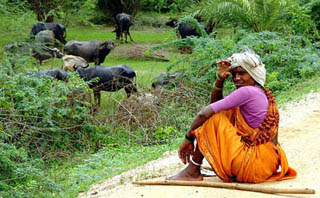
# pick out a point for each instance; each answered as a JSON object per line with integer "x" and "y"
{"x": 118, "y": 6}
{"x": 44, "y": 9}
{"x": 47, "y": 10}
{"x": 257, "y": 15}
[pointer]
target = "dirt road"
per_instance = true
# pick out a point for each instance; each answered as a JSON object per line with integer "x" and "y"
{"x": 299, "y": 136}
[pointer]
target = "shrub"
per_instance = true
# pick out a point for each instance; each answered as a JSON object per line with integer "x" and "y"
{"x": 288, "y": 59}
{"x": 19, "y": 175}
{"x": 165, "y": 5}
{"x": 45, "y": 116}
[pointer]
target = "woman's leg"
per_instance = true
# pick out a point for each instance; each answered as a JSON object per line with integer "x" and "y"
{"x": 192, "y": 171}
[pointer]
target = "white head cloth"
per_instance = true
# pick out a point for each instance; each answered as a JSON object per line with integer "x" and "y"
{"x": 251, "y": 62}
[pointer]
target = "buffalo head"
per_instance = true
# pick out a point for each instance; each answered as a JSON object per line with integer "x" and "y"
{"x": 108, "y": 45}
{"x": 57, "y": 53}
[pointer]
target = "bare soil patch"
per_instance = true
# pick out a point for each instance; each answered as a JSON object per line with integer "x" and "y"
{"x": 140, "y": 52}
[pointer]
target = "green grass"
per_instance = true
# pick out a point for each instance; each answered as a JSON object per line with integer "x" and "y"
{"x": 149, "y": 36}
{"x": 106, "y": 163}
{"x": 146, "y": 69}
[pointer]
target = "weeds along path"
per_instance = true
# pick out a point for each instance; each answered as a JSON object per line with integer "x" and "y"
{"x": 299, "y": 136}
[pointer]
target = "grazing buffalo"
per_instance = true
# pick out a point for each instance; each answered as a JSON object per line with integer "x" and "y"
{"x": 166, "y": 80}
{"x": 186, "y": 29}
{"x": 58, "y": 74}
{"x": 45, "y": 37}
{"x": 45, "y": 53}
{"x": 91, "y": 51}
{"x": 38, "y": 51}
{"x": 69, "y": 61}
{"x": 172, "y": 23}
{"x": 109, "y": 79}
{"x": 123, "y": 23}
{"x": 58, "y": 29}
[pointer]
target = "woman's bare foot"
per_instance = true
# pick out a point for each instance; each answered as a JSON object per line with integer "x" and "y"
{"x": 190, "y": 173}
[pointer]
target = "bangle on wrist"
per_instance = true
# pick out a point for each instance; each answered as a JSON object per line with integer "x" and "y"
{"x": 219, "y": 78}
{"x": 189, "y": 139}
{"x": 217, "y": 88}
{"x": 193, "y": 162}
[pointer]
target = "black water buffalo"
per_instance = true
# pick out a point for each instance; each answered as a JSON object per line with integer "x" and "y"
{"x": 46, "y": 53}
{"x": 172, "y": 23}
{"x": 38, "y": 51}
{"x": 166, "y": 80}
{"x": 45, "y": 37}
{"x": 91, "y": 51}
{"x": 123, "y": 23}
{"x": 58, "y": 74}
{"x": 186, "y": 29}
{"x": 58, "y": 29}
{"x": 109, "y": 79}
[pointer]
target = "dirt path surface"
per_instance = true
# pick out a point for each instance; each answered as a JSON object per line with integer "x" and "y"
{"x": 299, "y": 136}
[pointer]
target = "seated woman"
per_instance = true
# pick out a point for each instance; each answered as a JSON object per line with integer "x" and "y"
{"x": 238, "y": 134}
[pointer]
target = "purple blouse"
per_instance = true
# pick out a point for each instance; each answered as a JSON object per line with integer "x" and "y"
{"x": 252, "y": 101}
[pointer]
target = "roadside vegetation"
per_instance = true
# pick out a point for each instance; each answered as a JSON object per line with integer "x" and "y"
{"x": 51, "y": 143}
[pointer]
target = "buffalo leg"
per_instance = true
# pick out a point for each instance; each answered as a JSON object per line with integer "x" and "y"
{"x": 96, "y": 61}
{"x": 121, "y": 37}
{"x": 126, "y": 35}
{"x": 130, "y": 35}
{"x": 130, "y": 89}
{"x": 97, "y": 98}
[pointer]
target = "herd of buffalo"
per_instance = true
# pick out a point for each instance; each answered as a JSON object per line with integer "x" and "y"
{"x": 44, "y": 38}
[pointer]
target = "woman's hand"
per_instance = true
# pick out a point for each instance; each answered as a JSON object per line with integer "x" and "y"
{"x": 185, "y": 151}
{"x": 224, "y": 69}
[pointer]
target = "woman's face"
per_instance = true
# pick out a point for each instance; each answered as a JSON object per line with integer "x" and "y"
{"x": 241, "y": 77}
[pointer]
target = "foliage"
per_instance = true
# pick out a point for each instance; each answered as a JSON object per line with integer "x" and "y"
{"x": 257, "y": 16}
{"x": 165, "y": 5}
{"x": 40, "y": 118}
{"x": 38, "y": 113}
{"x": 300, "y": 20}
{"x": 314, "y": 7}
{"x": 19, "y": 175}
{"x": 14, "y": 18}
{"x": 47, "y": 10}
{"x": 110, "y": 8}
{"x": 288, "y": 60}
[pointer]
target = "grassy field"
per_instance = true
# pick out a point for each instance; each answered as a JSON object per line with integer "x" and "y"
{"x": 146, "y": 69}
{"x": 143, "y": 36}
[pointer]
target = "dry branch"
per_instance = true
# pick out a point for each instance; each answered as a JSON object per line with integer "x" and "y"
{"x": 234, "y": 186}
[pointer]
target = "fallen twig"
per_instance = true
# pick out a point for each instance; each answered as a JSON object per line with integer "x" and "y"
{"x": 235, "y": 186}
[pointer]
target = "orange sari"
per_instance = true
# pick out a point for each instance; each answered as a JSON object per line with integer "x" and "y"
{"x": 236, "y": 152}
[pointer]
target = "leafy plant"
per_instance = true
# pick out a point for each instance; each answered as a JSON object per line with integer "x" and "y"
{"x": 257, "y": 16}
{"x": 165, "y": 5}
{"x": 288, "y": 59}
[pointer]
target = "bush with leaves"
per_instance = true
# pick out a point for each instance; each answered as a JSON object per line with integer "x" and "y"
{"x": 165, "y": 5}
{"x": 257, "y": 16}
{"x": 314, "y": 7}
{"x": 300, "y": 20}
{"x": 20, "y": 175}
{"x": 45, "y": 116}
{"x": 288, "y": 59}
